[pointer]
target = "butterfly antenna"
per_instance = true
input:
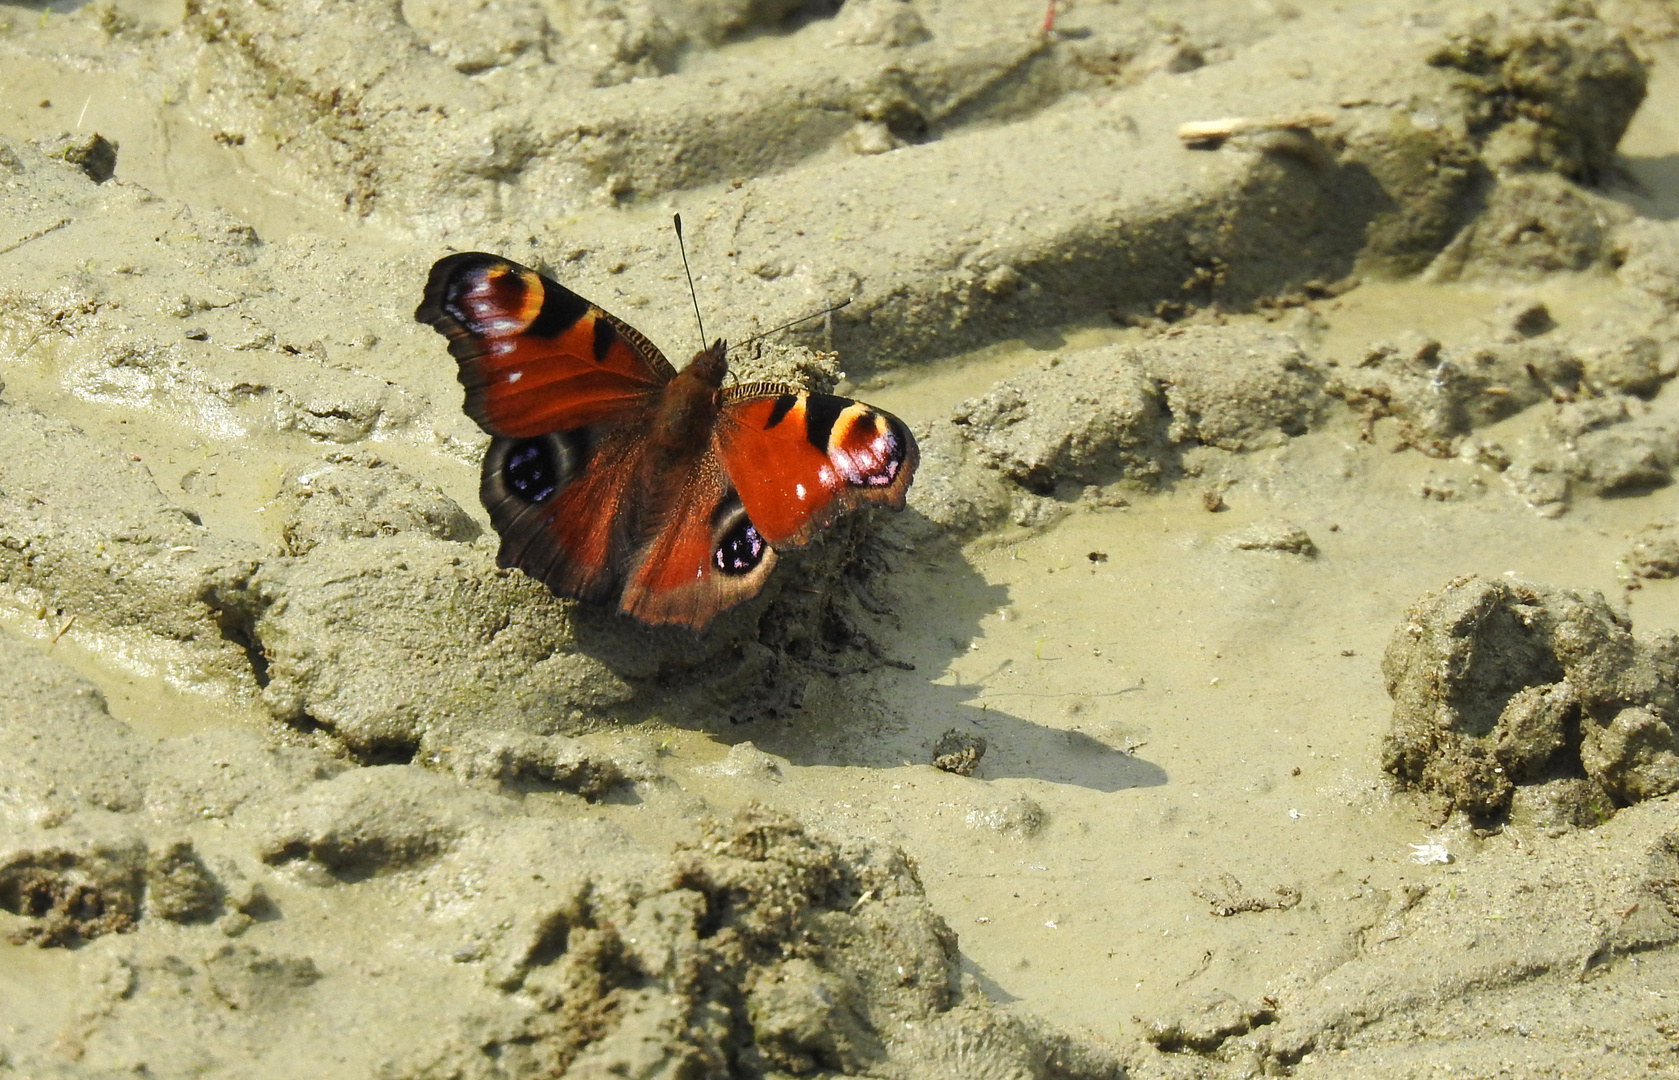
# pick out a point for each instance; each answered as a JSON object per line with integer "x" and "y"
{"x": 797, "y": 321}
{"x": 692, "y": 295}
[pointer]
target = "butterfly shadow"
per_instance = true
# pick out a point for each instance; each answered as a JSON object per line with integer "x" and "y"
{"x": 1015, "y": 747}
{"x": 895, "y": 714}
{"x": 873, "y": 703}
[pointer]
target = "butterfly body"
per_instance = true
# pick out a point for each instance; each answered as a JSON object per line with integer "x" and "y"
{"x": 688, "y": 407}
{"x": 613, "y": 477}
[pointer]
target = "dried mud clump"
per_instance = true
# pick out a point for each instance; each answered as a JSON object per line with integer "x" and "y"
{"x": 1438, "y": 396}
{"x": 1532, "y": 225}
{"x": 1238, "y": 389}
{"x": 959, "y": 752}
{"x": 68, "y": 895}
{"x": 760, "y": 950}
{"x": 1114, "y": 414}
{"x": 1280, "y": 536}
{"x": 93, "y": 154}
{"x": 1549, "y": 87}
{"x": 1653, "y": 552}
{"x": 179, "y": 887}
{"x": 816, "y": 952}
{"x": 1523, "y": 699}
{"x": 69, "y": 884}
{"x": 1079, "y": 418}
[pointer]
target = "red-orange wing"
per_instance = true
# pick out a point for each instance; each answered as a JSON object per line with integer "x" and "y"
{"x": 705, "y": 555}
{"x": 591, "y": 521}
{"x": 562, "y": 504}
{"x": 534, "y": 356}
{"x": 798, "y": 460}
{"x": 567, "y": 391}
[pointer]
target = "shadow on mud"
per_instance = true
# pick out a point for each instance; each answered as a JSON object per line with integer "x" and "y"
{"x": 894, "y": 714}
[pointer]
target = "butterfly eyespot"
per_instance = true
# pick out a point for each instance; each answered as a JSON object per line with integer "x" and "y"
{"x": 866, "y": 449}
{"x": 490, "y": 300}
{"x": 531, "y": 470}
{"x": 737, "y": 546}
{"x": 741, "y": 549}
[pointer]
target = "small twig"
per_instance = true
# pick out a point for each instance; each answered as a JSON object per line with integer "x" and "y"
{"x": 1215, "y": 132}
{"x": 71, "y": 621}
{"x": 36, "y": 235}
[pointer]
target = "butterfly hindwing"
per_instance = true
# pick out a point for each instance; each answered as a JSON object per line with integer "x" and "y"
{"x": 705, "y": 556}
{"x": 799, "y": 460}
{"x": 588, "y": 524}
{"x": 556, "y": 501}
{"x": 534, "y": 356}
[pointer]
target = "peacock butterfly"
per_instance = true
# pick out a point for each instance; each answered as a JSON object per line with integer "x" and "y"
{"x": 612, "y": 477}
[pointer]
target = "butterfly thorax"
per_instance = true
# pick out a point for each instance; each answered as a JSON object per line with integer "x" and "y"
{"x": 710, "y": 365}
{"x": 688, "y": 408}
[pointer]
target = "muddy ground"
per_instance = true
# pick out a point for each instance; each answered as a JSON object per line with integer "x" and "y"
{"x": 1285, "y": 594}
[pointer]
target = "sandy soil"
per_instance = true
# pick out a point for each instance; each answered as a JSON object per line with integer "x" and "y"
{"x": 1224, "y": 443}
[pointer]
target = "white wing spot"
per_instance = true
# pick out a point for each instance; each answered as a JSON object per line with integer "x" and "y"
{"x": 515, "y": 376}
{"x": 799, "y": 490}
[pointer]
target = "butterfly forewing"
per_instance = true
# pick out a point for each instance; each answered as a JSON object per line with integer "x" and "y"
{"x": 534, "y": 356}
{"x": 799, "y": 459}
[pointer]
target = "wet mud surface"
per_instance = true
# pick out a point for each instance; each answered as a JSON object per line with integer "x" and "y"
{"x": 1274, "y": 672}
